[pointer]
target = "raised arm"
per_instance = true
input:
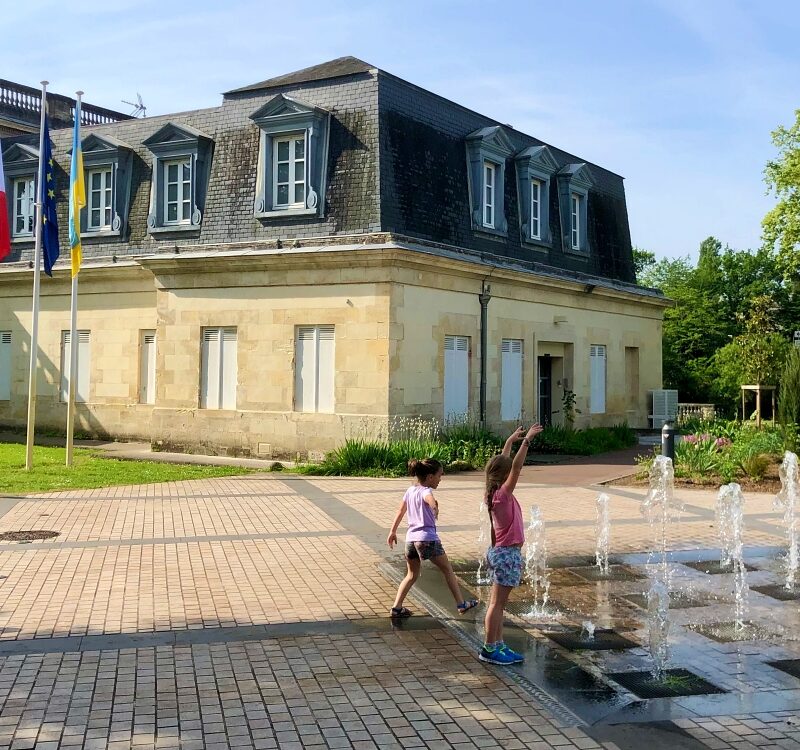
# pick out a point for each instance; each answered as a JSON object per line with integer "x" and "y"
{"x": 519, "y": 458}
{"x": 392, "y": 538}
{"x": 513, "y": 438}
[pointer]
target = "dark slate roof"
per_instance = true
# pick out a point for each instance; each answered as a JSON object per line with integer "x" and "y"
{"x": 341, "y": 66}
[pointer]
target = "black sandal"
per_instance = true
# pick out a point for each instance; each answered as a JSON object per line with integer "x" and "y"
{"x": 398, "y": 612}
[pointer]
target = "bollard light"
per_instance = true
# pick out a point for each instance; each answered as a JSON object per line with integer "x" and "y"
{"x": 668, "y": 440}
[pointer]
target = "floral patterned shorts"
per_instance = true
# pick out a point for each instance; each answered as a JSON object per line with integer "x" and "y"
{"x": 505, "y": 564}
{"x": 423, "y": 550}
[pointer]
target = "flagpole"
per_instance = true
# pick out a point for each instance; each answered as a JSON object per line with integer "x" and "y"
{"x": 73, "y": 318}
{"x": 37, "y": 262}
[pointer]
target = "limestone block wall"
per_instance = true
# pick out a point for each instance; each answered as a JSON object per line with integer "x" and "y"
{"x": 391, "y": 309}
{"x": 560, "y": 319}
{"x": 266, "y": 308}
{"x": 115, "y": 304}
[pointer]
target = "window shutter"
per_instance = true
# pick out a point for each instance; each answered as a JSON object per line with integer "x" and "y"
{"x": 229, "y": 371}
{"x": 5, "y": 365}
{"x": 325, "y": 369}
{"x": 82, "y": 391}
{"x": 597, "y": 373}
{"x": 147, "y": 368}
{"x": 210, "y": 364}
{"x": 64, "y": 395}
{"x": 456, "y": 376}
{"x": 305, "y": 369}
{"x": 511, "y": 379}
{"x": 84, "y": 362}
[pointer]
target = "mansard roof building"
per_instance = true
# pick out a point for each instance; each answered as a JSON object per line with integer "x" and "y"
{"x": 323, "y": 252}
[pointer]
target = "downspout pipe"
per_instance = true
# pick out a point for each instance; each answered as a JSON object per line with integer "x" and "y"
{"x": 484, "y": 298}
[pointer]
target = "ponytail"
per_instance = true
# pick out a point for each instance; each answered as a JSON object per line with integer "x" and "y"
{"x": 423, "y": 468}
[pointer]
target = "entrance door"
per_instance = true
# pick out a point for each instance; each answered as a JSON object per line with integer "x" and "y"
{"x": 545, "y": 367}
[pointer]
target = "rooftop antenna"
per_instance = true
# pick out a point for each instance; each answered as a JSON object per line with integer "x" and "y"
{"x": 139, "y": 108}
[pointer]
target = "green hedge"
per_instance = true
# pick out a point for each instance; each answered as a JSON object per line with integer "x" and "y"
{"x": 584, "y": 442}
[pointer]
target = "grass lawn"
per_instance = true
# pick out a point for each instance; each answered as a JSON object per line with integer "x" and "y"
{"x": 90, "y": 470}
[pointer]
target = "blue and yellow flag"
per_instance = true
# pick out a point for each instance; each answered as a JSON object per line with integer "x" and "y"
{"x": 77, "y": 193}
{"x": 47, "y": 179}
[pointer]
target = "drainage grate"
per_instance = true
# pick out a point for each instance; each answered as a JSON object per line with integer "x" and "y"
{"x": 790, "y": 666}
{"x": 779, "y": 591}
{"x": 727, "y": 632}
{"x": 604, "y": 640}
{"x": 615, "y": 573}
{"x": 714, "y": 567}
{"x": 674, "y": 683}
{"x": 677, "y": 600}
{"x": 26, "y": 536}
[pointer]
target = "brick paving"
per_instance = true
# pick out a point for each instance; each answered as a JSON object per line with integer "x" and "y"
{"x": 271, "y": 552}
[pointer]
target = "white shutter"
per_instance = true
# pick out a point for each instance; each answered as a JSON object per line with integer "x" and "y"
{"x": 147, "y": 368}
{"x": 84, "y": 362}
{"x": 456, "y": 376}
{"x": 511, "y": 379}
{"x": 229, "y": 372}
{"x": 305, "y": 369}
{"x": 597, "y": 372}
{"x": 315, "y": 369}
{"x": 209, "y": 369}
{"x": 325, "y": 369}
{"x": 5, "y": 365}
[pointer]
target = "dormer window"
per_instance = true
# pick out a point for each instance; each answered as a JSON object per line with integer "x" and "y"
{"x": 574, "y": 181}
{"x": 108, "y": 164}
{"x": 181, "y": 166}
{"x": 536, "y": 210}
{"x": 487, "y": 152}
{"x": 535, "y": 168}
{"x": 21, "y": 164}
{"x": 178, "y": 192}
{"x": 24, "y": 206}
{"x": 575, "y": 234}
{"x": 489, "y": 181}
{"x": 290, "y": 172}
{"x": 99, "y": 198}
{"x": 292, "y": 168}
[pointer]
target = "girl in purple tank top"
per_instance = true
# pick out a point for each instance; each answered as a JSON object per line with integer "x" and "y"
{"x": 422, "y": 539}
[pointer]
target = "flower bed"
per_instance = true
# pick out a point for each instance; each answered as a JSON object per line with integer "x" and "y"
{"x": 722, "y": 451}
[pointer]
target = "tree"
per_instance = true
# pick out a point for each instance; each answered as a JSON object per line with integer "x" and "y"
{"x": 642, "y": 261}
{"x": 781, "y": 226}
{"x": 762, "y": 348}
{"x": 789, "y": 394}
{"x": 712, "y": 301}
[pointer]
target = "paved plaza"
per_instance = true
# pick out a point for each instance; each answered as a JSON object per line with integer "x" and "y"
{"x": 251, "y": 612}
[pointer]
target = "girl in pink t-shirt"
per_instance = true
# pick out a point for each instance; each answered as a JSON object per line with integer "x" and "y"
{"x": 422, "y": 539}
{"x": 508, "y": 535}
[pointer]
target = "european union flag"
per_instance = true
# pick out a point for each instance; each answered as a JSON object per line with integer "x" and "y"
{"x": 47, "y": 177}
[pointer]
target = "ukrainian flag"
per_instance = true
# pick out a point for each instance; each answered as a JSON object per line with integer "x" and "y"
{"x": 77, "y": 193}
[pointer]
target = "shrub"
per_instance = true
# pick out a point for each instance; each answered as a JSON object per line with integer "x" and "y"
{"x": 587, "y": 442}
{"x": 789, "y": 394}
{"x": 697, "y": 455}
{"x": 755, "y": 465}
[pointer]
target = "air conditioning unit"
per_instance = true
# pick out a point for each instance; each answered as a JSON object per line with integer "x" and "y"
{"x": 663, "y": 407}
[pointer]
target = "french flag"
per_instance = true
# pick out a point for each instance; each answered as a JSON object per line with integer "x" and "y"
{"x": 5, "y": 235}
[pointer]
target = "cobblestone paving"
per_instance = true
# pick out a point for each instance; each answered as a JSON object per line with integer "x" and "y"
{"x": 237, "y": 553}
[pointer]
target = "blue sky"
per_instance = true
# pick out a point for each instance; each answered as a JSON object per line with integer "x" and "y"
{"x": 678, "y": 96}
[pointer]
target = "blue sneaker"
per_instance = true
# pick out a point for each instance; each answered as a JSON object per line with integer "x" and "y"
{"x": 518, "y": 658}
{"x": 496, "y": 656}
